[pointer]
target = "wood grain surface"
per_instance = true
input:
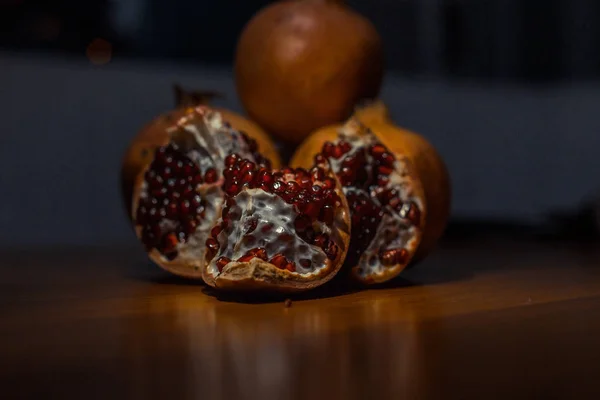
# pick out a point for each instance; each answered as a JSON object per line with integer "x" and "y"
{"x": 485, "y": 319}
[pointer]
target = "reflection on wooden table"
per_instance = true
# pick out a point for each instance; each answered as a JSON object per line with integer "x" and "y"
{"x": 477, "y": 320}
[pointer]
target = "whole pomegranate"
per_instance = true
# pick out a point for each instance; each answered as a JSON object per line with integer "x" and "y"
{"x": 396, "y": 185}
{"x": 304, "y": 64}
{"x": 141, "y": 149}
{"x": 207, "y": 185}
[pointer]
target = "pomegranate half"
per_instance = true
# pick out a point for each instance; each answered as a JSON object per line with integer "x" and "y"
{"x": 388, "y": 182}
{"x": 287, "y": 230}
{"x": 177, "y": 196}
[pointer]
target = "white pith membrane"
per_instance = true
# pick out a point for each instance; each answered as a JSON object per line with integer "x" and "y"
{"x": 275, "y": 232}
{"x": 395, "y": 230}
{"x": 203, "y": 137}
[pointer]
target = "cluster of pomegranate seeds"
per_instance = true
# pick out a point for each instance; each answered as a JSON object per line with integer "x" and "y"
{"x": 311, "y": 192}
{"x": 170, "y": 209}
{"x": 365, "y": 175}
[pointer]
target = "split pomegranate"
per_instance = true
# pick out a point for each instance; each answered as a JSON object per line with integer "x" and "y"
{"x": 178, "y": 195}
{"x": 285, "y": 230}
{"x": 385, "y": 193}
{"x": 141, "y": 149}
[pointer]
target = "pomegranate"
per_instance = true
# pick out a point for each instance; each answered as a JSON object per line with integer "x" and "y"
{"x": 388, "y": 178}
{"x": 141, "y": 150}
{"x": 284, "y": 230}
{"x": 304, "y": 64}
{"x": 178, "y": 195}
{"x": 429, "y": 166}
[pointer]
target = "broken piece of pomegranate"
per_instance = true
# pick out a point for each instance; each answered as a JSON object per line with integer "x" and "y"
{"x": 285, "y": 230}
{"x": 384, "y": 194}
{"x": 178, "y": 195}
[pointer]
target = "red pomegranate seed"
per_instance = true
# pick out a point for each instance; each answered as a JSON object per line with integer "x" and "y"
{"x": 214, "y": 232}
{"x": 250, "y": 225}
{"x": 210, "y": 176}
{"x": 259, "y": 252}
{"x": 196, "y": 200}
{"x": 189, "y": 168}
{"x": 196, "y": 180}
{"x": 245, "y": 258}
{"x": 248, "y": 177}
{"x": 414, "y": 214}
{"x": 292, "y": 187}
{"x": 377, "y": 150}
{"x": 266, "y": 228}
{"x": 387, "y": 159}
{"x": 305, "y": 263}
{"x": 328, "y": 149}
{"x": 232, "y": 189}
{"x": 247, "y": 166}
{"x": 169, "y": 242}
{"x": 153, "y": 214}
{"x": 344, "y": 146}
{"x": 231, "y": 159}
{"x": 182, "y": 183}
{"x": 264, "y": 176}
{"x": 290, "y": 266}
{"x": 178, "y": 167}
{"x": 383, "y": 170}
{"x": 402, "y": 256}
{"x": 305, "y": 182}
{"x": 190, "y": 226}
{"x": 327, "y": 214}
{"x": 329, "y": 183}
{"x": 172, "y": 210}
{"x": 312, "y": 209}
{"x": 349, "y": 162}
{"x": 184, "y": 207}
{"x": 393, "y": 256}
{"x": 302, "y": 222}
{"x": 229, "y": 173}
{"x": 337, "y": 152}
{"x": 222, "y": 262}
{"x": 319, "y": 159}
{"x": 279, "y": 261}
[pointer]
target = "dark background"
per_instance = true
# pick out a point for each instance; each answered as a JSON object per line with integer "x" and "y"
{"x": 507, "y": 90}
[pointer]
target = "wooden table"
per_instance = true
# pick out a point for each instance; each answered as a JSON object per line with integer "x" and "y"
{"x": 481, "y": 319}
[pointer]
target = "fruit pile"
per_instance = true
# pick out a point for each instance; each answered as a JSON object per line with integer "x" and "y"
{"x": 209, "y": 198}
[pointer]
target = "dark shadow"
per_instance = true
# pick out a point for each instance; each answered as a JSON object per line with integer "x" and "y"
{"x": 422, "y": 273}
{"x": 147, "y": 271}
{"x": 334, "y": 288}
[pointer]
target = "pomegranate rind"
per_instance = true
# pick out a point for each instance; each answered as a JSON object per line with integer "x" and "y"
{"x": 313, "y": 145}
{"x": 257, "y": 274}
